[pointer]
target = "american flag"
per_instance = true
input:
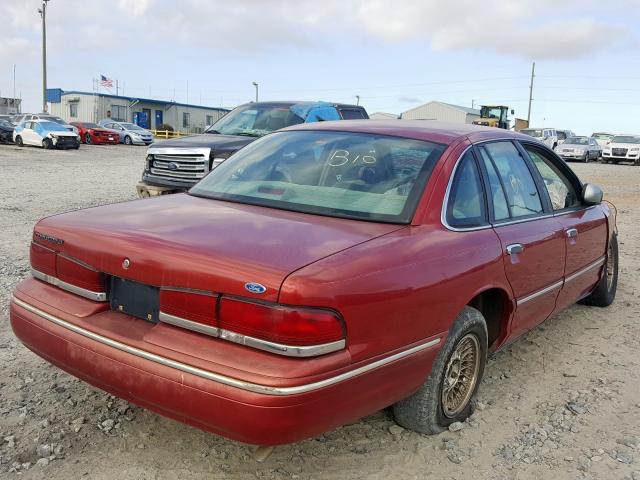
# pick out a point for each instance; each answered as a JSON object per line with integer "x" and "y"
{"x": 106, "y": 82}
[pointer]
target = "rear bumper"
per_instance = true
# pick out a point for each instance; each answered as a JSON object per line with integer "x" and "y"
{"x": 105, "y": 140}
{"x": 247, "y": 411}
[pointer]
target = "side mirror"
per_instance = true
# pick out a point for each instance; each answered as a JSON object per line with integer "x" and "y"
{"x": 591, "y": 194}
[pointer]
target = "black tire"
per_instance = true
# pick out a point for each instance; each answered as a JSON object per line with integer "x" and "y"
{"x": 614, "y": 161}
{"x": 127, "y": 140}
{"x": 47, "y": 143}
{"x": 424, "y": 411}
{"x": 87, "y": 138}
{"x": 636, "y": 162}
{"x": 605, "y": 292}
{"x": 19, "y": 141}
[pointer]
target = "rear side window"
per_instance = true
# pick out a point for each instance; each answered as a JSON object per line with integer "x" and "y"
{"x": 519, "y": 187}
{"x": 466, "y": 205}
{"x": 351, "y": 114}
{"x": 498, "y": 199}
{"x": 561, "y": 192}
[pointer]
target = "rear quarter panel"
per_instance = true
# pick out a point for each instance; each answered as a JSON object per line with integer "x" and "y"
{"x": 401, "y": 288}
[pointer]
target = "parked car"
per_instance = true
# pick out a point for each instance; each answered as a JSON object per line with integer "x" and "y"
{"x": 129, "y": 133}
{"x": 579, "y": 148}
{"x": 563, "y": 135}
{"x": 603, "y": 138}
{"x": 46, "y": 134}
{"x": 622, "y": 148}
{"x": 326, "y": 271}
{"x": 45, "y": 117}
{"x": 176, "y": 165}
{"x": 9, "y": 118}
{"x": 548, "y": 136}
{"x": 6, "y": 131}
{"x": 93, "y": 133}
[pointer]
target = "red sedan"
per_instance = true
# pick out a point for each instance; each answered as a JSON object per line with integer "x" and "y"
{"x": 94, "y": 133}
{"x": 324, "y": 272}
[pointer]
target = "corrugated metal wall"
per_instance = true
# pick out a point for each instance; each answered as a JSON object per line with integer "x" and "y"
{"x": 436, "y": 111}
{"x": 92, "y": 108}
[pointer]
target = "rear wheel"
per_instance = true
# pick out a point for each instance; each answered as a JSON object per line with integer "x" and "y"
{"x": 446, "y": 396}
{"x": 605, "y": 292}
{"x": 19, "y": 141}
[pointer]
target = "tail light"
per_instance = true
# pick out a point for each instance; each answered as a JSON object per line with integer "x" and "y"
{"x": 292, "y": 331}
{"x": 279, "y": 324}
{"x": 83, "y": 276}
{"x": 192, "y": 306}
{"x": 43, "y": 259}
{"x": 51, "y": 267}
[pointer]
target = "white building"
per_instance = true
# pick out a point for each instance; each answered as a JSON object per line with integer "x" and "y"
{"x": 383, "y": 116}
{"x": 74, "y": 106}
{"x": 442, "y": 112}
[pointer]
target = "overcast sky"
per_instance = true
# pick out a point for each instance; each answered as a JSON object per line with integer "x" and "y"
{"x": 394, "y": 54}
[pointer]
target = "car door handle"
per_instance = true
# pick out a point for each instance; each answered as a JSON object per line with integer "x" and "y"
{"x": 572, "y": 233}
{"x": 515, "y": 248}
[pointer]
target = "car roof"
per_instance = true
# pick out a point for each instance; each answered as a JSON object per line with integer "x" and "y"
{"x": 290, "y": 103}
{"x": 428, "y": 130}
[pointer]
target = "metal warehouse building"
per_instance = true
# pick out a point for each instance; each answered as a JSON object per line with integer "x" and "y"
{"x": 74, "y": 106}
{"x": 442, "y": 112}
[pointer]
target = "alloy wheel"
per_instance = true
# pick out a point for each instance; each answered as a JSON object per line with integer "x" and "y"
{"x": 461, "y": 376}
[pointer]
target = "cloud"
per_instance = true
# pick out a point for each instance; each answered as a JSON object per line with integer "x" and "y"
{"x": 533, "y": 29}
{"x": 409, "y": 100}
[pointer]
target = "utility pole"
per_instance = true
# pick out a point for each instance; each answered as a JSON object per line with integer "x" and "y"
{"x": 117, "y": 88}
{"x": 43, "y": 13}
{"x": 14, "y": 82}
{"x": 357, "y": 99}
{"x": 533, "y": 74}
{"x": 255, "y": 84}
{"x": 473, "y": 103}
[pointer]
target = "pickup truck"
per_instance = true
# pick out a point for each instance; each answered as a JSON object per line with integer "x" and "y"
{"x": 176, "y": 165}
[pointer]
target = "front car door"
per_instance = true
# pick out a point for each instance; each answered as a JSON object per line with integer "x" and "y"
{"x": 584, "y": 227}
{"x": 29, "y": 136}
{"x": 532, "y": 239}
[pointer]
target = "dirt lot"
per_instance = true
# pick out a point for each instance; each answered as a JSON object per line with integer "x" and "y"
{"x": 562, "y": 402}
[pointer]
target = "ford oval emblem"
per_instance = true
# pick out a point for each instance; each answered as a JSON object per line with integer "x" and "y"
{"x": 172, "y": 166}
{"x": 255, "y": 287}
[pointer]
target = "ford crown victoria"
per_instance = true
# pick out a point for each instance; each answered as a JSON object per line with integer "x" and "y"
{"x": 322, "y": 273}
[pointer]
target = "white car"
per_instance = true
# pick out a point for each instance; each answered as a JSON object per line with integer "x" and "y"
{"x": 603, "y": 138}
{"x": 548, "y": 136}
{"x": 563, "y": 135}
{"x": 46, "y": 117}
{"x": 43, "y": 133}
{"x": 622, "y": 148}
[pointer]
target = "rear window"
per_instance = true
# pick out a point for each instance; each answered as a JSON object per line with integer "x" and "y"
{"x": 340, "y": 174}
{"x": 352, "y": 114}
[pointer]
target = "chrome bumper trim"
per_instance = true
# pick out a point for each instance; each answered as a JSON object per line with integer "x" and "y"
{"x": 222, "y": 379}
{"x": 83, "y": 292}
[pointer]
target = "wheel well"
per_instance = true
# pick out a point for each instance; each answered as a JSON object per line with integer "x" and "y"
{"x": 495, "y": 307}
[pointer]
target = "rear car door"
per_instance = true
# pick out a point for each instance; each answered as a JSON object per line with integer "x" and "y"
{"x": 584, "y": 227}
{"x": 532, "y": 239}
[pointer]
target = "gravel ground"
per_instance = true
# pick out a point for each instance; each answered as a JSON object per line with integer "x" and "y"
{"x": 562, "y": 401}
